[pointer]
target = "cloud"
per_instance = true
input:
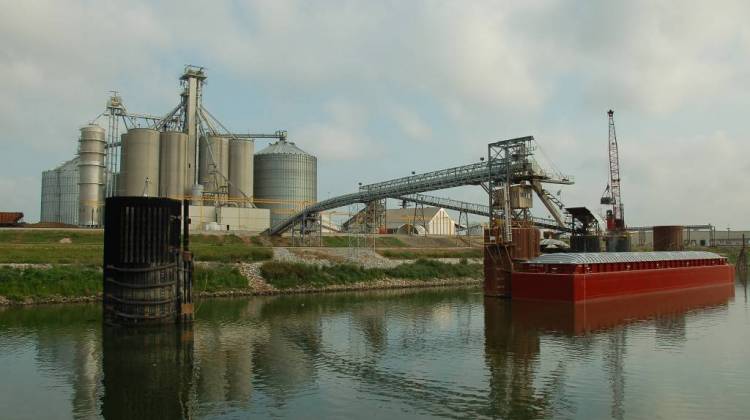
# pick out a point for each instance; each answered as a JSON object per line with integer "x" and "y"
{"x": 341, "y": 135}
{"x": 411, "y": 124}
{"x": 337, "y": 72}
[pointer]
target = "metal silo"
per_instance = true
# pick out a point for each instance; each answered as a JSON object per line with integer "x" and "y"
{"x": 241, "y": 170}
{"x": 214, "y": 162}
{"x": 139, "y": 163}
{"x": 173, "y": 165}
{"x": 60, "y": 194}
{"x": 286, "y": 178}
{"x": 91, "y": 175}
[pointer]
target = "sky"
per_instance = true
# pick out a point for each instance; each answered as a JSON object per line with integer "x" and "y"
{"x": 379, "y": 89}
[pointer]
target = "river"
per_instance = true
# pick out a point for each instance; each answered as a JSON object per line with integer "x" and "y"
{"x": 389, "y": 354}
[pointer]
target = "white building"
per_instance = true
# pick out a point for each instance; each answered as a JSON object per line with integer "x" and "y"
{"x": 427, "y": 221}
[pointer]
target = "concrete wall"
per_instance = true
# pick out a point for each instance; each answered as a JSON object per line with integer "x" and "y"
{"x": 200, "y": 215}
{"x": 242, "y": 218}
{"x": 230, "y": 218}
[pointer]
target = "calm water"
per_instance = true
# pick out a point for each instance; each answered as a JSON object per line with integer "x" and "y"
{"x": 400, "y": 354}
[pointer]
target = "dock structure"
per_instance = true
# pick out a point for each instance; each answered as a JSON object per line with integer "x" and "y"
{"x": 148, "y": 267}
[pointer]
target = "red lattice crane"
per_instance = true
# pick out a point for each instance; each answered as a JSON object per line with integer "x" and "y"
{"x": 612, "y": 197}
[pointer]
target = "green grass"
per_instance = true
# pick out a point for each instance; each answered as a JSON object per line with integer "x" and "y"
{"x": 389, "y": 242}
{"x": 290, "y": 275}
{"x": 18, "y": 284}
{"x": 81, "y": 281}
{"x": 51, "y": 253}
{"x": 43, "y": 247}
{"x": 231, "y": 253}
{"x": 43, "y": 236}
{"x": 413, "y": 254}
{"x": 218, "y": 278}
{"x": 335, "y": 241}
{"x": 215, "y": 239}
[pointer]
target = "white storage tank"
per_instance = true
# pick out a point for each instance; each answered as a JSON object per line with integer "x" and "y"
{"x": 241, "y": 171}
{"x": 214, "y": 162}
{"x": 286, "y": 178}
{"x": 91, "y": 150}
{"x": 139, "y": 163}
{"x": 173, "y": 165}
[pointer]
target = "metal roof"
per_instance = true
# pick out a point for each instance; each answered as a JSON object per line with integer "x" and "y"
{"x": 616, "y": 257}
{"x": 282, "y": 147}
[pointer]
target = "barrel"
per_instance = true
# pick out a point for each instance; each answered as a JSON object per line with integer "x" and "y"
{"x": 668, "y": 238}
{"x": 142, "y": 260}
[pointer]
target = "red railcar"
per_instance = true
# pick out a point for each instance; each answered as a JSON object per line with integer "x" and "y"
{"x": 10, "y": 218}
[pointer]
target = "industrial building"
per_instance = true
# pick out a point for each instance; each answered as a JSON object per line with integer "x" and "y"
{"x": 412, "y": 221}
{"x": 185, "y": 154}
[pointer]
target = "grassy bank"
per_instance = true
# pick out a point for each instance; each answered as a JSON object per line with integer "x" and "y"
{"x": 86, "y": 248}
{"x": 413, "y": 254}
{"x": 77, "y": 281}
{"x": 37, "y": 284}
{"x": 218, "y": 278}
{"x": 284, "y": 275}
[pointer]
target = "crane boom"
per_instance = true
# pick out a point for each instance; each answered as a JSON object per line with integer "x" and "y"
{"x": 612, "y": 195}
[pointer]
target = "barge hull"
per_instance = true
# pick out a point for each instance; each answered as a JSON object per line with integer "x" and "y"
{"x": 576, "y": 287}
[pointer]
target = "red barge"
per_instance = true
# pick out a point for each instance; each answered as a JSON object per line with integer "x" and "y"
{"x": 576, "y": 277}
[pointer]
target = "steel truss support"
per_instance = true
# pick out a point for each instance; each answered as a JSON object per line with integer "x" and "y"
{"x": 309, "y": 231}
{"x": 512, "y": 156}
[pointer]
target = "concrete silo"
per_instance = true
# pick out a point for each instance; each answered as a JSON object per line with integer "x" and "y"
{"x": 139, "y": 163}
{"x": 286, "y": 178}
{"x": 241, "y": 171}
{"x": 91, "y": 151}
{"x": 173, "y": 165}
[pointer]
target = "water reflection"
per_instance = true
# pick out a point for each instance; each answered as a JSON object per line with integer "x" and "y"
{"x": 514, "y": 331}
{"x": 396, "y": 354}
{"x": 148, "y": 372}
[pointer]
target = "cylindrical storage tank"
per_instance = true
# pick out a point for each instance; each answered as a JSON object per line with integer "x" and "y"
{"x": 585, "y": 243}
{"x": 668, "y": 238}
{"x": 286, "y": 177}
{"x": 241, "y": 171}
{"x": 91, "y": 152}
{"x": 214, "y": 162}
{"x": 139, "y": 164}
{"x": 173, "y": 165}
{"x": 141, "y": 266}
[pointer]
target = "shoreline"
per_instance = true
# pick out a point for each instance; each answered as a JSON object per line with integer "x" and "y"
{"x": 384, "y": 284}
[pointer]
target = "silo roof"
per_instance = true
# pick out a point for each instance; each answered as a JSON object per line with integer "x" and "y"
{"x": 282, "y": 147}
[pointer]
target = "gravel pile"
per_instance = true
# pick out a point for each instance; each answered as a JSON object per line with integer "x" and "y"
{"x": 255, "y": 281}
